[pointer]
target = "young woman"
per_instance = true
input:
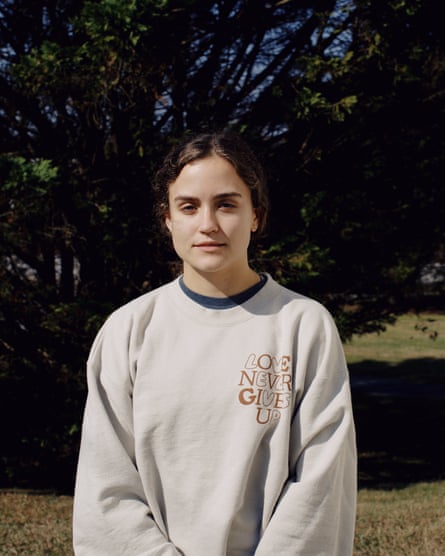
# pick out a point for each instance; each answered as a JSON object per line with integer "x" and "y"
{"x": 218, "y": 419}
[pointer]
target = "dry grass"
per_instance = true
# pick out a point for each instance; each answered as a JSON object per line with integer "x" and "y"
{"x": 406, "y": 522}
{"x": 35, "y": 524}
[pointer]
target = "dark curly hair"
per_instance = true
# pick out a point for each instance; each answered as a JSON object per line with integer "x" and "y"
{"x": 225, "y": 144}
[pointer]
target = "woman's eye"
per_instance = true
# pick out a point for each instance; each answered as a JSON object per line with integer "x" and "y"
{"x": 188, "y": 208}
{"x": 227, "y": 205}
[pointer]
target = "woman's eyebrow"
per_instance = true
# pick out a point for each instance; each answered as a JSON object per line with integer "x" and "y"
{"x": 219, "y": 196}
{"x": 186, "y": 198}
{"x": 228, "y": 194}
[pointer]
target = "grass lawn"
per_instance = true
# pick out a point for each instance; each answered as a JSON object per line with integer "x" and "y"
{"x": 413, "y": 348}
{"x": 35, "y": 524}
{"x": 400, "y": 428}
{"x": 399, "y": 434}
{"x": 406, "y": 522}
{"x": 400, "y": 425}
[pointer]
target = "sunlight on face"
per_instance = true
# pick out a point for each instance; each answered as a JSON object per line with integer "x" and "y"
{"x": 211, "y": 218}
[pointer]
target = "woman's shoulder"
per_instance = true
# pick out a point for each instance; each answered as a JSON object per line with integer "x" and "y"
{"x": 140, "y": 307}
{"x": 296, "y": 304}
{"x": 285, "y": 295}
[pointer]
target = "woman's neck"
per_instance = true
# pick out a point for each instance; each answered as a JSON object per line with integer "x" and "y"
{"x": 217, "y": 284}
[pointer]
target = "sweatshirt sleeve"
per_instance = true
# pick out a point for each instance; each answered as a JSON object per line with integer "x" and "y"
{"x": 111, "y": 514}
{"x": 315, "y": 515}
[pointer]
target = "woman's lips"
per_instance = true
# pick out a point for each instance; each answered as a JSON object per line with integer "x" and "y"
{"x": 209, "y": 246}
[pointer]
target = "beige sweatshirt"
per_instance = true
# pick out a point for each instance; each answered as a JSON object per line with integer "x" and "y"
{"x": 217, "y": 432}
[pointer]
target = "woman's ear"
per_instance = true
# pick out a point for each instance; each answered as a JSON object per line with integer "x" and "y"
{"x": 168, "y": 222}
{"x": 165, "y": 216}
{"x": 254, "y": 226}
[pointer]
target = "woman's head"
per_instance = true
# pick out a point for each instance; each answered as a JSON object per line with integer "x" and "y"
{"x": 228, "y": 146}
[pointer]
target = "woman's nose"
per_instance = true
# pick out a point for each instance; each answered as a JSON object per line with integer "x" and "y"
{"x": 208, "y": 222}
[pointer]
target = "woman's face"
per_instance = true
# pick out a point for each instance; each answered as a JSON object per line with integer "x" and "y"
{"x": 211, "y": 218}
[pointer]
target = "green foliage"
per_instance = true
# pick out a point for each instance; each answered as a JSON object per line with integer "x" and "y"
{"x": 24, "y": 173}
{"x": 342, "y": 100}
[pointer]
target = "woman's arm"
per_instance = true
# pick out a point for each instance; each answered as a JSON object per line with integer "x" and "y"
{"x": 316, "y": 511}
{"x": 111, "y": 513}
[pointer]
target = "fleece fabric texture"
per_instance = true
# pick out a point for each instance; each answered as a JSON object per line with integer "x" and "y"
{"x": 217, "y": 432}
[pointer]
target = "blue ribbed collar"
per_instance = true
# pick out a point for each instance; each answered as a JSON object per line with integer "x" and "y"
{"x": 223, "y": 302}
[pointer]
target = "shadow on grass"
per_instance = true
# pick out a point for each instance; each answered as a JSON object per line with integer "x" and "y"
{"x": 400, "y": 420}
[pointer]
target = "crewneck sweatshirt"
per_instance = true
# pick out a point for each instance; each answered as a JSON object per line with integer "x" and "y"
{"x": 217, "y": 432}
